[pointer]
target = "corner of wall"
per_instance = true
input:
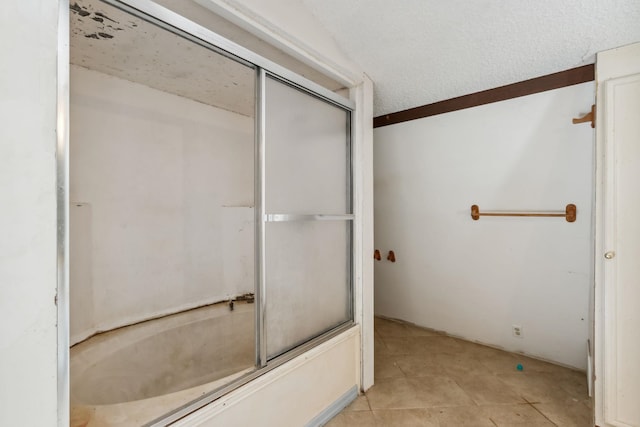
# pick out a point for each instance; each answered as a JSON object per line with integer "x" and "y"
{"x": 290, "y": 27}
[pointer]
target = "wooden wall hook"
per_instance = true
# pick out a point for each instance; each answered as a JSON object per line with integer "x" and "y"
{"x": 589, "y": 117}
{"x": 391, "y": 257}
{"x": 376, "y": 255}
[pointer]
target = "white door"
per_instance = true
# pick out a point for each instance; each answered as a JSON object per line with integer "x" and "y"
{"x": 617, "y": 296}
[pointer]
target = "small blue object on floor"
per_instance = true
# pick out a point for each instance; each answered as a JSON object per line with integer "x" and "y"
{"x": 519, "y": 367}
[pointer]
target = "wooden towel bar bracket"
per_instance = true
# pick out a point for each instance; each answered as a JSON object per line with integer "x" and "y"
{"x": 569, "y": 214}
{"x": 589, "y": 117}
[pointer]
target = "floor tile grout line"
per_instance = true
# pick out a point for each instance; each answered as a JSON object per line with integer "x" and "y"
{"x": 466, "y": 393}
{"x": 540, "y": 412}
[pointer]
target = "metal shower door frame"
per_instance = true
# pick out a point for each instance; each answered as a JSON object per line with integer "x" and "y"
{"x": 177, "y": 24}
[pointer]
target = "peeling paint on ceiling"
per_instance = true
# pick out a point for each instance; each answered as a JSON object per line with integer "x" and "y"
{"x": 423, "y": 51}
{"x": 110, "y": 41}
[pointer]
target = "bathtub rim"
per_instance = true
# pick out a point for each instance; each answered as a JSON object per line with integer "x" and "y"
{"x": 87, "y": 334}
{"x": 188, "y": 308}
{"x": 87, "y": 354}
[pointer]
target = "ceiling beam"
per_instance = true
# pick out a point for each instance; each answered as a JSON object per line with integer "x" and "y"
{"x": 559, "y": 80}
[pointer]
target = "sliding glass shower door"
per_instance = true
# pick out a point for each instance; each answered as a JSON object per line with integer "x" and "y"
{"x": 211, "y": 215}
{"x": 307, "y": 216}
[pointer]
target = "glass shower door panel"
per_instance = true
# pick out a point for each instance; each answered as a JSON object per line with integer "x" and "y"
{"x": 308, "y": 281}
{"x": 308, "y": 221}
{"x": 307, "y": 153}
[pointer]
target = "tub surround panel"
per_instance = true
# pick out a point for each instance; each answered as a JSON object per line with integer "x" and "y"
{"x": 161, "y": 203}
{"x": 475, "y": 279}
{"x": 292, "y": 394}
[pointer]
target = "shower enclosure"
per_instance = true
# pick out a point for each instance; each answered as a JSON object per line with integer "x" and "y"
{"x": 211, "y": 217}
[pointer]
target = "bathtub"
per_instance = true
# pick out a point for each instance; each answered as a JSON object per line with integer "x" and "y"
{"x": 132, "y": 375}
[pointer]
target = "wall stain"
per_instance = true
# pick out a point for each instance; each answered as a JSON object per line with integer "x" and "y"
{"x": 105, "y": 35}
{"x": 92, "y": 36}
{"x": 97, "y": 19}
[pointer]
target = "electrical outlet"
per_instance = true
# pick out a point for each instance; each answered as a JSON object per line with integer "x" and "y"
{"x": 517, "y": 330}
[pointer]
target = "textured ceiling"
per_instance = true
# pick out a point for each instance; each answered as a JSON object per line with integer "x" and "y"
{"x": 423, "y": 51}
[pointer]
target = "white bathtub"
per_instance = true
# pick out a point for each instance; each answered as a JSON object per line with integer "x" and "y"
{"x": 132, "y": 375}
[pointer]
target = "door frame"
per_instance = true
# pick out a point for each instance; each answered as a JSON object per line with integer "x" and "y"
{"x": 612, "y": 67}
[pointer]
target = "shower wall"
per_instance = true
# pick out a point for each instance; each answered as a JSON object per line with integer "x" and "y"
{"x": 161, "y": 200}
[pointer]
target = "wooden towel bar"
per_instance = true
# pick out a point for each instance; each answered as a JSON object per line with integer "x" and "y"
{"x": 569, "y": 214}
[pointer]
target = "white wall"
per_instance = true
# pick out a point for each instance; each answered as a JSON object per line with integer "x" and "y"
{"x": 475, "y": 279}
{"x": 28, "y": 215}
{"x": 161, "y": 191}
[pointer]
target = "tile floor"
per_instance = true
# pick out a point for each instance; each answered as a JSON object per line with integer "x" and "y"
{"x": 423, "y": 378}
